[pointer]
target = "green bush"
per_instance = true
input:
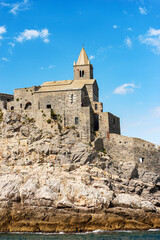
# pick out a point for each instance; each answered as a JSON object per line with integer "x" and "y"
{"x": 1, "y": 116}
{"x": 49, "y": 121}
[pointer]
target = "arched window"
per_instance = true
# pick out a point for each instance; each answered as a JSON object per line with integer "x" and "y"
{"x": 28, "y": 106}
{"x": 21, "y": 105}
{"x": 76, "y": 120}
{"x": 81, "y": 73}
{"x": 12, "y": 108}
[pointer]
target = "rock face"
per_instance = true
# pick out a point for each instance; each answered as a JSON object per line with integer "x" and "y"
{"x": 50, "y": 181}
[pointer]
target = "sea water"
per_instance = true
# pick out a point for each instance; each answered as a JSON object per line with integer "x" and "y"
{"x": 96, "y": 235}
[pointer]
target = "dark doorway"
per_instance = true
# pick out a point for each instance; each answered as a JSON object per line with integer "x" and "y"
{"x": 96, "y": 122}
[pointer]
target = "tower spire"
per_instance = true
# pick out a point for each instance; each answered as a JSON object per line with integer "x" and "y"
{"x": 83, "y": 58}
{"x": 82, "y": 68}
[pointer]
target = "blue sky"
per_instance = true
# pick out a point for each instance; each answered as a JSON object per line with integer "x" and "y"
{"x": 39, "y": 41}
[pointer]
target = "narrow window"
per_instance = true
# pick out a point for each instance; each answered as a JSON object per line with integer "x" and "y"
{"x": 21, "y": 105}
{"x": 114, "y": 121}
{"x": 48, "y": 106}
{"x": 81, "y": 73}
{"x": 12, "y": 108}
{"x": 141, "y": 159}
{"x": 96, "y": 107}
{"x": 72, "y": 98}
{"x": 76, "y": 120}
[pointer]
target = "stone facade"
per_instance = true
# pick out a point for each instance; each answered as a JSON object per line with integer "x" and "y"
{"x": 141, "y": 152}
{"x": 5, "y": 99}
{"x": 74, "y": 102}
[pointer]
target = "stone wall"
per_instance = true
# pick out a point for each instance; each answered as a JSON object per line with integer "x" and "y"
{"x": 5, "y": 99}
{"x": 24, "y": 96}
{"x": 126, "y": 149}
{"x": 88, "y": 71}
{"x": 108, "y": 123}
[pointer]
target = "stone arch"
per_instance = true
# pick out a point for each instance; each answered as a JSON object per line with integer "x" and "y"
{"x": 28, "y": 106}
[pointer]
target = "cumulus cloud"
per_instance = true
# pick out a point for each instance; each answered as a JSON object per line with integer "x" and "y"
{"x": 2, "y": 31}
{"x": 91, "y": 57}
{"x": 143, "y": 10}
{"x": 128, "y": 42}
{"x": 124, "y": 89}
{"x": 15, "y": 8}
{"x": 4, "y": 59}
{"x": 33, "y": 34}
{"x": 152, "y": 38}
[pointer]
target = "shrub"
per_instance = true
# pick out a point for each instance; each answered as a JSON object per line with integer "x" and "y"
{"x": 1, "y": 116}
{"x": 49, "y": 121}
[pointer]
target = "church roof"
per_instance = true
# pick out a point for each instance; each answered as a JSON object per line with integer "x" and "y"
{"x": 83, "y": 58}
{"x": 65, "y": 85}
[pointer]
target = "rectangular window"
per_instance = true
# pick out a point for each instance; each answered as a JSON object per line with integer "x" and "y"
{"x": 48, "y": 106}
{"x": 76, "y": 120}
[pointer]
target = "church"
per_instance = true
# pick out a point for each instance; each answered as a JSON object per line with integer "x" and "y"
{"x": 75, "y": 102}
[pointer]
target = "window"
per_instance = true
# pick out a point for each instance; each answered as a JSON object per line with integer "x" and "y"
{"x": 141, "y": 159}
{"x": 114, "y": 121}
{"x": 21, "y": 105}
{"x": 48, "y": 106}
{"x": 76, "y": 120}
{"x": 72, "y": 98}
{"x": 96, "y": 107}
{"x": 28, "y": 106}
{"x": 81, "y": 73}
{"x": 12, "y": 108}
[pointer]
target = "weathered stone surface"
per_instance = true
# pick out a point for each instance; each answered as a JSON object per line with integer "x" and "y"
{"x": 52, "y": 182}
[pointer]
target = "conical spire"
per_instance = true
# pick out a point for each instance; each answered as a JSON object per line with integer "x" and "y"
{"x": 83, "y": 58}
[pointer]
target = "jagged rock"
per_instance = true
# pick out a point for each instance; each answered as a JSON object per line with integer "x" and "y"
{"x": 50, "y": 181}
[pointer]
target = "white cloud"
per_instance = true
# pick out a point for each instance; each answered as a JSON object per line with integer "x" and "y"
{"x": 152, "y": 38}
{"x": 2, "y": 31}
{"x": 129, "y": 29}
{"x": 91, "y": 57}
{"x": 4, "y": 59}
{"x": 115, "y": 26}
{"x": 124, "y": 89}
{"x": 33, "y": 34}
{"x": 12, "y": 44}
{"x": 143, "y": 10}
{"x": 128, "y": 42}
{"x": 4, "y": 4}
{"x": 15, "y": 8}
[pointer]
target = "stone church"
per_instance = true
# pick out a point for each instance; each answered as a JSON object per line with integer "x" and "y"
{"x": 75, "y": 101}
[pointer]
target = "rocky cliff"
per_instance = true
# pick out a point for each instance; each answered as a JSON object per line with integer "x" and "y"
{"x": 50, "y": 181}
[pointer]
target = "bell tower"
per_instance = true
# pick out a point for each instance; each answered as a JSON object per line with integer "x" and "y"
{"x": 83, "y": 69}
